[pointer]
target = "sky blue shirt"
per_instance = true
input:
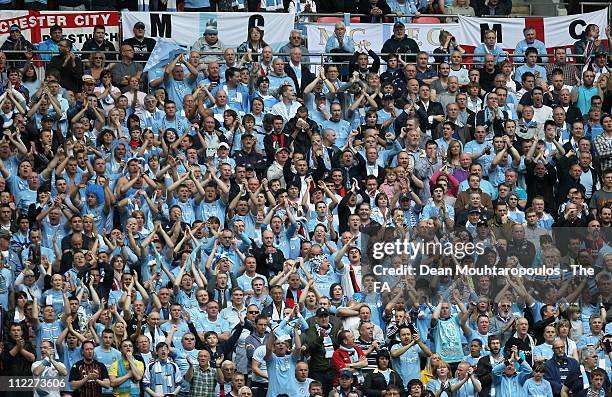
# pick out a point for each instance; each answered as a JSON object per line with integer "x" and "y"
{"x": 281, "y": 375}
{"x": 447, "y": 339}
{"x": 342, "y": 128}
{"x": 522, "y": 45}
{"x": 408, "y": 364}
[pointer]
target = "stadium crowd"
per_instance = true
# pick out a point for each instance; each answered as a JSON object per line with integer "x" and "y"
{"x": 207, "y": 228}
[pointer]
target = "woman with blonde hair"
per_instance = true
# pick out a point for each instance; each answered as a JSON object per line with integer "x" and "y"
{"x": 574, "y": 315}
{"x": 433, "y": 362}
{"x": 441, "y": 379}
{"x": 563, "y": 328}
{"x": 97, "y": 61}
{"x": 119, "y": 333}
{"x": 90, "y": 230}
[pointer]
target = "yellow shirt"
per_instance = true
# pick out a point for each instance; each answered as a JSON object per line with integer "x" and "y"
{"x": 114, "y": 371}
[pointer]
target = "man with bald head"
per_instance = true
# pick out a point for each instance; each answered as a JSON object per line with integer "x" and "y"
{"x": 201, "y": 376}
{"x": 563, "y": 370}
{"x": 452, "y": 88}
{"x": 221, "y": 105}
{"x": 278, "y": 76}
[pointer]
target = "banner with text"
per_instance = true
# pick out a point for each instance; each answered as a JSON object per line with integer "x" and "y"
{"x": 76, "y": 26}
{"x": 553, "y": 31}
{"x": 186, "y": 28}
{"x": 426, "y": 35}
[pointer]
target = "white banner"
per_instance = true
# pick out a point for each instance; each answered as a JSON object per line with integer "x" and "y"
{"x": 76, "y": 26}
{"x": 553, "y": 31}
{"x": 426, "y": 35}
{"x": 185, "y": 28}
{"x": 559, "y": 30}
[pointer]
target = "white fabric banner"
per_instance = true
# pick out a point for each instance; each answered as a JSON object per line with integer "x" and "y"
{"x": 509, "y": 31}
{"x": 426, "y": 35}
{"x": 186, "y": 27}
{"x": 553, "y": 32}
{"x": 558, "y": 31}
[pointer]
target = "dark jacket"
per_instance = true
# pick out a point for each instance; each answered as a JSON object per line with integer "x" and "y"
{"x": 70, "y": 77}
{"x": 504, "y": 7}
{"x": 363, "y": 72}
{"x": 524, "y": 250}
{"x": 306, "y": 78}
{"x": 16, "y": 59}
{"x": 301, "y": 141}
{"x": 107, "y": 48}
{"x": 552, "y": 374}
{"x": 484, "y": 373}
{"x": 268, "y": 264}
{"x": 497, "y": 124}
{"x": 434, "y": 109}
{"x": 566, "y": 182}
{"x": 405, "y": 45}
{"x": 365, "y": 6}
{"x": 316, "y": 350}
{"x": 375, "y": 383}
{"x": 541, "y": 186}
{"x": 273, "y": 141}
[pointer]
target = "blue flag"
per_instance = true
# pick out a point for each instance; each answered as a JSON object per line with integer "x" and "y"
{"x": 164, "y": 52}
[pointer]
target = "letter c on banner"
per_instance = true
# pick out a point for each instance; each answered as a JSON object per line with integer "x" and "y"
{"x": 256, "y": 20}
{"x": 430, "y": 36}
{"x": 573, "y": 29}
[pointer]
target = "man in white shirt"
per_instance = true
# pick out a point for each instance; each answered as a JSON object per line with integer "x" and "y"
{"x": 48, "y": 369}
{"x": 541, "y": 112}
{"x": 288, "y": 106}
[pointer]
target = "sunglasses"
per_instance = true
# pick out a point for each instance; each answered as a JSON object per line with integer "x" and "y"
{"x": 253, "y": 312}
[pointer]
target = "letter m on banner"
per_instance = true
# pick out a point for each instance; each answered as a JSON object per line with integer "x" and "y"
{"x": 497, "y": 28}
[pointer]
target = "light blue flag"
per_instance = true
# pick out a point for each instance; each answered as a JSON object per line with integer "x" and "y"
{"x": 164, "y": 52}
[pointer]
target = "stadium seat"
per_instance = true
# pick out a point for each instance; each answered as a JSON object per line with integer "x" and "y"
{"x": 336, "y": 19}
{"x": 426, "y": 20}
{"x": 329, "y": 19}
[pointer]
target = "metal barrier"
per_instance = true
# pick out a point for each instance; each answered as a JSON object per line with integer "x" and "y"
{"x": 322, "y": 56}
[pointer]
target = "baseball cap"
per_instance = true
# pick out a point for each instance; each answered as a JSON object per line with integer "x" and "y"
{"x": 139, "y": 25}
{"x": 321, "y": 312}
{"x": 398, "y": 25}
{"x": 387, "y": 97}
{"x": 87, "y": 78}
{"x": 280, "y": 149}
{"x": 14, "y": 28}
{"x": 223, "y": 144}
{"x": 46, "y": 118}
{"x": 474, "y": 211}
{"x": 345, "y": 373}
{"x": 482, "y": 223}
{"x": 261, "y": 79}
{"x": 319, "y": 96}
{"x": 247, "y": 136}
{"x": 404, "y": 196}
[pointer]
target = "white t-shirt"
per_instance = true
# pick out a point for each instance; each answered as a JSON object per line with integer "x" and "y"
{"x": 54, "y": 381}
